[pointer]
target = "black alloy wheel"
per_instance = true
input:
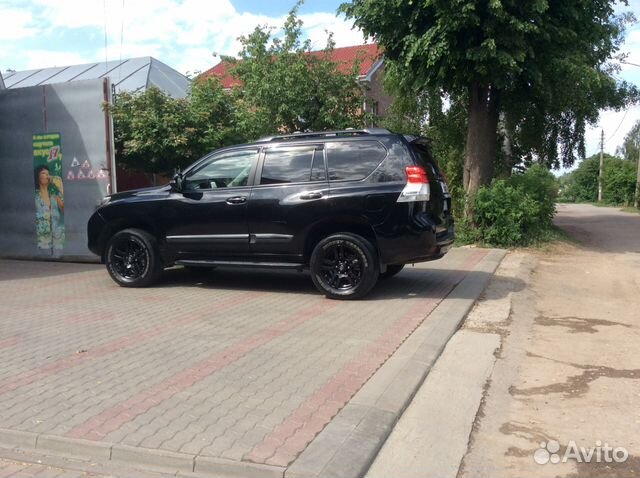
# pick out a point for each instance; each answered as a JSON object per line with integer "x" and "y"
{"x": 132, "y": 259}
{"x": 344, "y": 266}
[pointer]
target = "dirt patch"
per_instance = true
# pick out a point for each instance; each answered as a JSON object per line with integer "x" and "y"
{"x": 577, "y": 325}
{"x": 577, "y": 385}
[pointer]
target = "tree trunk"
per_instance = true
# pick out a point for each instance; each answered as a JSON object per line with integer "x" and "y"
{"x": 482, "y": 138}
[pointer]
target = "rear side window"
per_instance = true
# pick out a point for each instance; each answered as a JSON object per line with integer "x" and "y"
{"x": 292, "y": 165}
{"x": 353, "y": 159}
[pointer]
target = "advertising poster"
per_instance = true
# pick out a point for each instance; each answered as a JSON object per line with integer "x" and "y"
{"x": 49, "y": 194}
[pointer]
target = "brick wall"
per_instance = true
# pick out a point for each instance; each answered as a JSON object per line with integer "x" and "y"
{"x": 377, "y": 94}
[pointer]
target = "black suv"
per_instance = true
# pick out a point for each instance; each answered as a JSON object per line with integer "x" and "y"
{"x": 350, "y": 205}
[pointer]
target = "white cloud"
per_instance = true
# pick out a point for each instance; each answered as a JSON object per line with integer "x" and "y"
{"x": 16, "y": 24}
{"x": 182, "y": 33}
{"x": 616, "y": 125}
{"x": 191, "y": 61}
{"x": 36, "y": 59}
{"x": 316, "y": 26}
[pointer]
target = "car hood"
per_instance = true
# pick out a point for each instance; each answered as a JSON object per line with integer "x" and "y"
{"x": 143, "y": 192}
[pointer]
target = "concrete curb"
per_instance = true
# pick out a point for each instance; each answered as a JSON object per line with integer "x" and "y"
{"x": 445, "y": 401}
{"x": 162, "y": 461}
{"x": 351, "y": 441}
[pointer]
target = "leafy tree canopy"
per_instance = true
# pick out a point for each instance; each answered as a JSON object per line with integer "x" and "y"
{"x": 284, "y": 88}
{"x": 540, "y": 65}
{"x": 619, "y": 181}
{"x": 630, "y": 148}
{"x": 157, "y": 133}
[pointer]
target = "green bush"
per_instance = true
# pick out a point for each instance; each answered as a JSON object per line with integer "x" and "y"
{"x": 517, "y": 211}
{"x": 539, "y": 184}
{"x": 618, "y": 184}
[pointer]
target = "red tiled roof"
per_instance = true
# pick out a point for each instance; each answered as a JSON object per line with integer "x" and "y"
{"x": 345, "y": 57}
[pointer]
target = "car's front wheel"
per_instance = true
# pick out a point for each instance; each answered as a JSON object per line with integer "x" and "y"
{"x": 344, "y": 266}
{"x": 132, "y": 258}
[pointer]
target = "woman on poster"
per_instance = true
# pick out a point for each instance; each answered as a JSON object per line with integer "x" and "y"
{"x": 49, "y": 209}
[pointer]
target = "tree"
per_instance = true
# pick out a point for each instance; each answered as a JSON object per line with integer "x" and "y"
{"x": 156, "y": 133}
{"x": 440, "y": 118}
{"x": 630, "y": 148}
{"x": 285, "y": 88}
{"x": 542, "y": 64}
{"x": 619, "y": 181}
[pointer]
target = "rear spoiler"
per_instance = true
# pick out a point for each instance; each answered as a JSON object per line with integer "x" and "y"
{"x": 419, "y": 140}
{"x": 424, "y": 144}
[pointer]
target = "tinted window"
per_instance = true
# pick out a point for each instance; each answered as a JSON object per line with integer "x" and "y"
{"x": 354, "y": 159}
{"x": 290, "y": 165}
{"x": 222, "y": 171}
{"x": 318, "y": 171}
{"x": 425, "y": 158}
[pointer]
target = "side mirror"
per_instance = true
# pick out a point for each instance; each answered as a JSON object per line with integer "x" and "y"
{"x": 177, "y": 180}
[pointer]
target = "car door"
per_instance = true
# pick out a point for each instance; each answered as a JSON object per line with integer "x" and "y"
{"x": 288, "y": 197}
{"x": 208, "y": 217}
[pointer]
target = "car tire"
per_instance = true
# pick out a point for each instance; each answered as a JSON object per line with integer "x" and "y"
{"x": 392, "y": 269}
{"x": 344, "y": 266}
{"x": 132, "y": 258}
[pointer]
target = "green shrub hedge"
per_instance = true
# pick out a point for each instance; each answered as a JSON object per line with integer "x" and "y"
{"x": 517, "y": 211}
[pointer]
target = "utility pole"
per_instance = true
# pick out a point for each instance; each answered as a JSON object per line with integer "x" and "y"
{"x": 635, "y": 202}
{"x": 601, "y": 166}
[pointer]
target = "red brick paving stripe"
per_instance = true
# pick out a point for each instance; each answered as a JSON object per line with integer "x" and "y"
{"x": 64, "y": 363}
{"x": 109, "y": 420}
{"x": 90, "y": 316}
{"x": 293, "y": 435}
{"x": 10, "y": 341}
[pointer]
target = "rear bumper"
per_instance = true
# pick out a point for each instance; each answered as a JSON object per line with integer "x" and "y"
{"x": 415, "y": 244}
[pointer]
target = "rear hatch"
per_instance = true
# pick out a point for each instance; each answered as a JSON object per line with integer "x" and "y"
{"x": 439, "y": 205}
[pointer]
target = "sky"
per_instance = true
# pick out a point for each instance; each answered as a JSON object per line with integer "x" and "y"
{"x": 189, "y": 35}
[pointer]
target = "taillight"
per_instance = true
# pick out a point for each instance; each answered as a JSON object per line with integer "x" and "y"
{"x": 417, "y": 188}
{"x": 416, "y": 174}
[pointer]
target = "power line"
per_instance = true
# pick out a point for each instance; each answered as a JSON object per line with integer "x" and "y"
{"x": 621, "y": 121}
{"x": 629, "y": 63}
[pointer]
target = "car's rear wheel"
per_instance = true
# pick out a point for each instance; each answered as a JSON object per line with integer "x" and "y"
{"x": 344, "y": 266}
{"x": 132, "y": 258}
{"x": 392, "y": 269}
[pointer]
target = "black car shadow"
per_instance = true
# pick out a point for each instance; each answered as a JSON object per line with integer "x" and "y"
{"x": 411, "y": 283}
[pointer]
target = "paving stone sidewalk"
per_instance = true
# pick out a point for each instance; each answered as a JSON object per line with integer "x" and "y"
{"x": 241, "y": 366}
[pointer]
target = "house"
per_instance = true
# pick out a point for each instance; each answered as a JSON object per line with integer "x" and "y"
{"x": 371, "y": 74}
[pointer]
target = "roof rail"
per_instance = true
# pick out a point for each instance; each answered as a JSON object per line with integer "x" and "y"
{"x": 315, "y": 134}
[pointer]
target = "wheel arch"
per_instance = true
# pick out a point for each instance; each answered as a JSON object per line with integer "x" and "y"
{"x": 115, "y": 226}
{"x": 359, "y": 226}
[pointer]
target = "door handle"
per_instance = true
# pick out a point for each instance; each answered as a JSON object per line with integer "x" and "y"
{"x": 237, "y": 200}
{"x": 312, "y": 195}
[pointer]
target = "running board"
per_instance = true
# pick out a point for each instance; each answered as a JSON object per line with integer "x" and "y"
{"x": 262, "y": 265}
